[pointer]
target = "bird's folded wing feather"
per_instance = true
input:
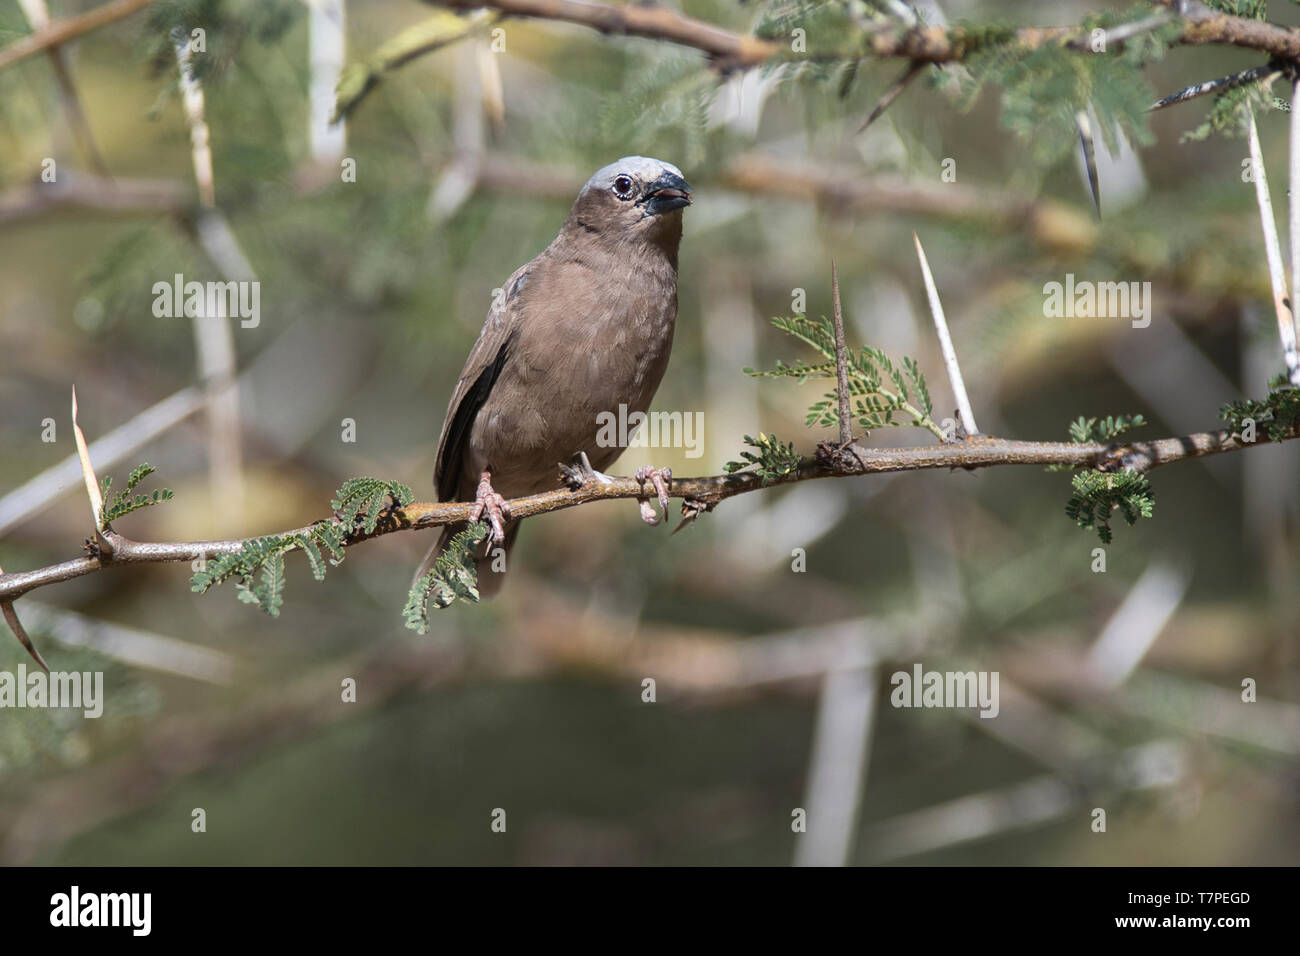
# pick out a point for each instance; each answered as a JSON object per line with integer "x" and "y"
{"x": 482, "y": 369}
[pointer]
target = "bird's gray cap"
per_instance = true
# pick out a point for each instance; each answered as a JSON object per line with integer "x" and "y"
{"x": 643, "y": 168}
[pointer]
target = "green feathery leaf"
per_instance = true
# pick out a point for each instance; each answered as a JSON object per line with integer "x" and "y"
{"x": 873, "y": 403}
{"x": 453, "y": 576}
{"x": 124, "y": 502}
{"x": 362, "y": 499}
{"x": 773, "y": 462}
{"x": 1086, "y": 430}
{"x": 1276, "y": 414}
{"x": 1097, "y": 495}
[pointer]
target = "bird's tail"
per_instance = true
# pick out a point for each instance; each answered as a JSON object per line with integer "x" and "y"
{"x": 490, "y": 562}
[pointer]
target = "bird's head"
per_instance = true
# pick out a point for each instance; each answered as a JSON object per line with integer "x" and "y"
{"x": 637, "y": 198}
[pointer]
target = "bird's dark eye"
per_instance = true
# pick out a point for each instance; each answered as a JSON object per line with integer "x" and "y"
{"x": 623, "y": 187}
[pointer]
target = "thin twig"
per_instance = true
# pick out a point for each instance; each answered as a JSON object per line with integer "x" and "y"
{"x": 61, "y": 31}
{"x": 1089, "y": 147}
{"x": 1126, "y": 31}
{"x": 325, "y": 43}
{"x": 200, "y": 137}
{"x": 1273, "y": 252}
{"x": 131, "y": 645}
{"x": 987, "y": 813}
{"x": 728, "y": 50}
{"x": 1137, "y": 622}
{"x": 945, "y": 345}
{"x": 38, "y": 15}
{"x": 1185, "y": 705}
{"x": 842, "y": 188}
{"x": 841, "y": 363}
{"x": 95, "y": 194}
{"x": 213, "y": 338}
{"x": 457, "y": 183}
{"x": 1214, "y": 86}
{"x": 910, "y": 72}
{"x": 1293, "y": 236}
{"x": 840, "y": 756}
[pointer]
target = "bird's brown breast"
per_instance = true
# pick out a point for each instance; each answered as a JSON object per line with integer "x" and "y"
{"x": 592, "y": 332}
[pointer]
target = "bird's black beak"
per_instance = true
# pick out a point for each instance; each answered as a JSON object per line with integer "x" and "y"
{"x": 665, "y": 194}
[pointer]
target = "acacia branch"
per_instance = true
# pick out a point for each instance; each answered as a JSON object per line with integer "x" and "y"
{"x": 841, "y": 189}
{"x": 1201, "y": 27}
{"x": 89, "y": 193}
{"x": 726, "y": 49}
{"x": 730, "y": 50}
{"x": 699, "y": 494}
{"x": 937, "y": 44}
{"x": 59, "y": 32}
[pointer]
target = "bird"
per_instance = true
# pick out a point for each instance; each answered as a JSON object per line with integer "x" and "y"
{"x": 581, "y": 329}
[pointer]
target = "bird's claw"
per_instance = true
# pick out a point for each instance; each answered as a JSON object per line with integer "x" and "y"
{"x": 659, "y": 479}
{"x": 497, "y": 509}
{"x": 571, "y": 476}
{"x": 692, "y": 508}
{"x": 579, "y": 473}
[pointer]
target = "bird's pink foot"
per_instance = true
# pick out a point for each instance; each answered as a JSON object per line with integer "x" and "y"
{"x": 659, "y": 479}
{"x": 488, "y": 502}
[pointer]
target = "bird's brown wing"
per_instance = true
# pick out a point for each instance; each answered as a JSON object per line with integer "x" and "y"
{"x": 482, "y": 369}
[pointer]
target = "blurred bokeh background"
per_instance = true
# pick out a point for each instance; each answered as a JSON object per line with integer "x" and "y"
{"x": 772, "y": 684}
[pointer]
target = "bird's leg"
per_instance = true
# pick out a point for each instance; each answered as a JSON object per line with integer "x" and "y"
{"x": 497, "y": 509}
{"x": 580, "y": 473}
{"x": 658, "y": 478}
